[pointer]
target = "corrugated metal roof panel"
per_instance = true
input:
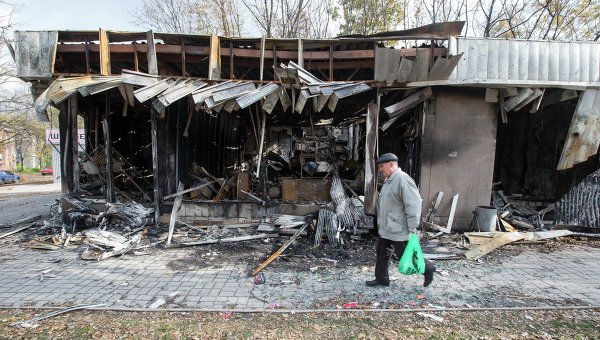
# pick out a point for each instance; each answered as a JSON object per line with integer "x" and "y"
{"x": 35, "y": 53}
{"x": 515, "y": 62}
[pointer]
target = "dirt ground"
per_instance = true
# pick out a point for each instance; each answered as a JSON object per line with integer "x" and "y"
{"x": 523, "y": 324}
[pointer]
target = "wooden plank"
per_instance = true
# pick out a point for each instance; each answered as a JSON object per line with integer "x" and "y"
{"x": 104, "y": 53}
{"x": 181, "y": 192}
{"x": 262, "y": 58}
{"x": 279, "y": 251}
{"x": 300, "y": 53}
{"x": 16, "y": 231}
{"x": 174, "y": 211}
{"x": 214, "y": 59}
{"x": 452, "y": 212}
{"x": 550, "y": 234}
{"x": 151, "y": 54}
{"x": 507, "y": 226}
{"x": 493, "y": 244}
{"x": 262, "y": 141}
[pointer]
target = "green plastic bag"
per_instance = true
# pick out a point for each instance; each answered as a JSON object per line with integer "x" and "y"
{"x": 412, "y": 261}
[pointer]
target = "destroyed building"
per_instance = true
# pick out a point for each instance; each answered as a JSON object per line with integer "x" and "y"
{"x": 234, "y": 129}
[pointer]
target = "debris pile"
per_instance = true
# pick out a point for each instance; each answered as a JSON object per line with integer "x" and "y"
{"x": 513, "y": 216}
{"x": 581, "y": 205}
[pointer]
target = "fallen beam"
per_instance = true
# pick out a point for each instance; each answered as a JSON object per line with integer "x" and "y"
{"x": 493, "y": 244}
{"x": 176, "y": 206}
{"x": 16, "y": 230}
{"x": 187, "y": 190}
{"x": 279, "y": 251}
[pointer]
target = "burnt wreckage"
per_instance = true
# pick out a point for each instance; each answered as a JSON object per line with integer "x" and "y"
{"x": 212, "y": 130}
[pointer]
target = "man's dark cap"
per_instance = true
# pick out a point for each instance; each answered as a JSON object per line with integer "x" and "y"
{"x": 387, "y": 157}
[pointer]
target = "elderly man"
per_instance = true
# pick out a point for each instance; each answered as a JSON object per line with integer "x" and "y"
{"x": 398, "y": 215}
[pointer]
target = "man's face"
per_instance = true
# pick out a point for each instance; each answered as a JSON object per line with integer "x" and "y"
{"x": 387, "y": 168}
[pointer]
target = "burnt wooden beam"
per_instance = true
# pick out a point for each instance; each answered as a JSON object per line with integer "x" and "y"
{"x": 214, "y": 59}
{"x": 74, "y": 171}
{"x": 104, "y": 53}
{"x": 110, "y": 184}
{"x": 231, "y": 75}
{"x": 245, "y": 52}
{"x": 136, "y": 62}
{"x": 63, "y": 129}
{"x": 151, "y": 54}
{"x": 156, "y": 183}
{"x": 183, "y": 70}
{"x": 330, "y": 62}
{"x": 87, "y": 56}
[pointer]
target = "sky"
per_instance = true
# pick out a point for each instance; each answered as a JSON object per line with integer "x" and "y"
{"x": 75, "y": 15}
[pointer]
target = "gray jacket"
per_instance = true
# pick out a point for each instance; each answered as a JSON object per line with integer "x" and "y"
{"x": 398, "y": 207}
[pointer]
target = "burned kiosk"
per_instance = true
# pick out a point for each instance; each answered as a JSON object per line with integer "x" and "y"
{"x": 230, "y": 130}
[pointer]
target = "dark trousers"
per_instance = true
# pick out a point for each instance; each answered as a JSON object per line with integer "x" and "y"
{"x": 383, "y": 258}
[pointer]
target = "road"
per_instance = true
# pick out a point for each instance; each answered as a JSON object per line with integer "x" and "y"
{"x": 18, "y": 201}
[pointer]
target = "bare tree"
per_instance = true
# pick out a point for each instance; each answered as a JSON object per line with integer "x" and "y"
{"x": 444, "y": 10}
{"x": 291, "y": 18}
{"x": 264, "y": 14}
{"x": 190, "y": 16}
{"x": 229, "y": 19}
{"x": 537, "y": 19}
{"x": 369, "y": 16}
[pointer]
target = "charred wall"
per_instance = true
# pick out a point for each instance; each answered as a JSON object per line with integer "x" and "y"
{"x": 459, "y": 142}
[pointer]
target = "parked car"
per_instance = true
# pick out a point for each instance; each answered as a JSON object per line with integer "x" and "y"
{"x": 8, "y": 177}
{"x": 47, "y": 171}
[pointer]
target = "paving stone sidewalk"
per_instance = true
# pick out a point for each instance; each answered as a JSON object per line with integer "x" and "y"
{"x": 568, "y": 277}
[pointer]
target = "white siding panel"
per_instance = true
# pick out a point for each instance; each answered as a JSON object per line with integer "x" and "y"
{"x": 492, "y": 59}
{"x": 472, "y": 60}
{"x": 595, "y": 62}
{"x": 563, "y": 63}
{"x": 543, "y": 61}
{"x": 573, "y": 62}
{"x": 584, "y": 62}
{"x": 522, "y": 62}
{"x": 523, "y": 47}
{"x": 503, "y": 60}
{"x": 482, "y": 59}
{"x": 533, "y": 62}
{"x": 554, "y": 61}
{"x": 513, "y": 60}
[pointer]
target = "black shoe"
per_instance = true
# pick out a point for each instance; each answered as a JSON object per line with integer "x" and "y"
{"x": 375, "y": 283}
{"x": 428, "y": 278}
